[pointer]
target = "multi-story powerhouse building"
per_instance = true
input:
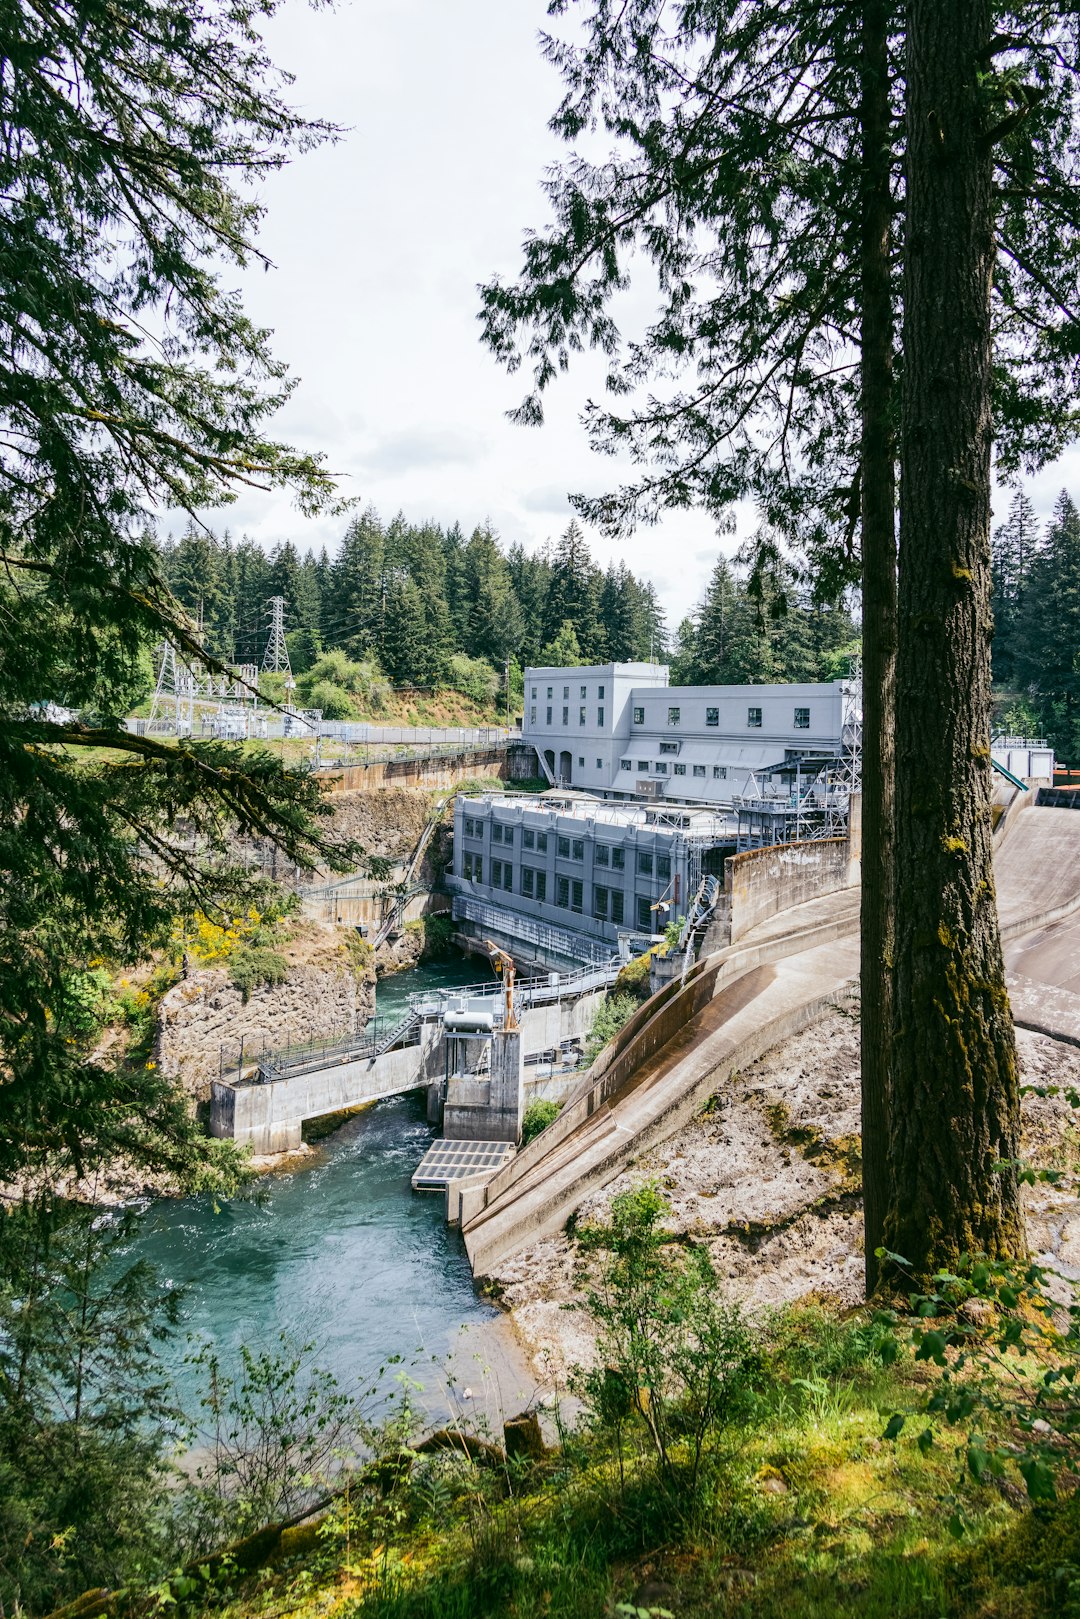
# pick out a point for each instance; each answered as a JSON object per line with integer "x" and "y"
{"x": 619, "y": 729}
{"x": 565, "y": 874}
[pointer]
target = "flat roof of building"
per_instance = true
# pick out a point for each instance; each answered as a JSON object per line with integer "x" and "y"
{"x": 696, "y": 821}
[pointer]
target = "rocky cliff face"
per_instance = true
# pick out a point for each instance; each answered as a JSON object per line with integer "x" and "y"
{"x": 329, "y": 993}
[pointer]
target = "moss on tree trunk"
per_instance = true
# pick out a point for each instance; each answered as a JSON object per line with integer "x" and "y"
{"x": 954, "y": 1104}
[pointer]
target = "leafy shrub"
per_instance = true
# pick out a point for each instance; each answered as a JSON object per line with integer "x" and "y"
{"x": 613, "y": 1013}
{"x": 673, "y": 1359}
{"x": 252, "y": 966}
{"x": 473, "y": 677}
{"x": 273, "y": 1432}
{"x": 538, "y": 1115}
{"x": 633, "y": 979}
{"x": 85, "y": 1003}
{"x": 337, "y": 680}
{"x": 1010, "y": 1372}
{"x": 334, "y": 700}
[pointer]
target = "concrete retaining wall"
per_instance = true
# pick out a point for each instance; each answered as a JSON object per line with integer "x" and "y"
{"x": 437, "y": 770}
{"x": 651, "y": 1027}
{"x": 760, "y": 882}
{"x": 488, "y": 1246}
{"x": 268, "y": 1118}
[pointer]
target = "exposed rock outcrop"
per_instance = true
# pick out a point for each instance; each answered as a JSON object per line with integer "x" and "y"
{"x": 329, "y": 992}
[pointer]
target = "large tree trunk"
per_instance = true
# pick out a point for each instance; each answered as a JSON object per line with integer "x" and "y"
{"x": 954, "y": 1099}
{"x": 879, "y": 624}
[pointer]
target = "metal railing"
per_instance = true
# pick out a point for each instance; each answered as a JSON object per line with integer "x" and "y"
{"x": 556, "y": 941}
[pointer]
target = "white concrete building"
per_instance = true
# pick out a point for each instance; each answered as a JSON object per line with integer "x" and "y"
{"x": 619, "y": 729}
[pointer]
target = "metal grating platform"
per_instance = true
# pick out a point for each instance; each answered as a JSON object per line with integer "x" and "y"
{"x": 447, "y": 1161}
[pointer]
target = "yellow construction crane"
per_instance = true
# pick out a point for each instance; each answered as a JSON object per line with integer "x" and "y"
{"x": 504, "y": 966}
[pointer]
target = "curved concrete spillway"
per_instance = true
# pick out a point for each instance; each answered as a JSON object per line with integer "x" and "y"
{"x": 742, "y": 1001}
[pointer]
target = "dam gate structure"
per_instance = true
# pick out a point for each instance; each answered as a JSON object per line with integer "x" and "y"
{"x": 266, "y": 1107}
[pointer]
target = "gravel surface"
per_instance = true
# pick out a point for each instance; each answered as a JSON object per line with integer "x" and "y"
{"x": 768, "y": 1178}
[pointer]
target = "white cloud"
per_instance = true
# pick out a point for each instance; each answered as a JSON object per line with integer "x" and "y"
{"x": 378, "y": 243}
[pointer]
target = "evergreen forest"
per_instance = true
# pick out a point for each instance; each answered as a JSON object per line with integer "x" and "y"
{"x": 423, "y": 606}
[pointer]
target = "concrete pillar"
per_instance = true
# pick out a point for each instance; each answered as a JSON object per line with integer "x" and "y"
{"x": 507, "y": 1097}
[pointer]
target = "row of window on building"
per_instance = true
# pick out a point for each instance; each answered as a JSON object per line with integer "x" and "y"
{"x": 801, "y": 720}
{"x": 583, "y": 692}
{"x": 604, "y": 854}
{"x": 660, "y": 768}
{"x": 566, "y": 716}
{"x": 712, "y": 718}
{"x": 568, "y": 893}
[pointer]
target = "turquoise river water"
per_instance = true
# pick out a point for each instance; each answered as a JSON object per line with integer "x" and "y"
{"x": 340, "y": 1251}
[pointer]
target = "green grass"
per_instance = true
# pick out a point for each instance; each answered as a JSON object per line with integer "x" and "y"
{"x": 804, "y": 1512}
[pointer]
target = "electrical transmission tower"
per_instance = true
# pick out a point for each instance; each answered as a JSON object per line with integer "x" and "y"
{"x": 175, "y": 686}
{"x": 276, "y": 656}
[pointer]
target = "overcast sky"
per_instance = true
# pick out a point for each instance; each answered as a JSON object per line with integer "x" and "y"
{"x": 377, "y": 245}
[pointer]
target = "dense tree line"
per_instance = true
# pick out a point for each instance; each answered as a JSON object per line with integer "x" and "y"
{"x": 753, "y": 628}
{"x": 409, "y": 600}
{"x": 1036, "y": 601}
{"x": 408, "y": 597}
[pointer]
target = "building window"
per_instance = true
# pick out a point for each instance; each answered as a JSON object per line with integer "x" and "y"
{"x": 802, "y": 719}
{"x": 550, "y": 692}
{"x": 508, "y": 834}
{"x": 644, "y": 914}
{"x": 534, "y": 694}
{"x": 541, "y": 887}
{"x": 600, "y": 904}
{"x": 626, "y": 764}
{"x": 719, "y": 772}
{"x": 599, "y": 764}
{"x": 566, "y": 716}
{"x": 660, "y": 767}
{"x": 581, "y": 763}
{"x": 600, "y": 718}
{"x": 712, "y": 716}
{"x": 618, "y": 859}
{"x": 532, "y": 716}
{"x": 601, "y": 855}
{"x": 584, "y": 693}
{"x": 643, "y": 765}
{"x": 473, "y": 868}
{"x": 470, "y": 827}
{"x": 562, "y": 848}
{"x": 674, "y": 716}
{"x": 644, "y": 862}
{"x": 639, "y": 716}
{"x": 467, "y": 867}
{"x": 578, "y": 849}
{"x": 577, "y": 894}
{"x": 497, "y": 832}
{"x": 549, "y": 716}
{"x": 663, "y": 867}
{"x": 566, "y": 693}
{"x": 581, "y": 716}
{"x": 528, "y": 838}
{"x": 699, "y": 770}
{"x": 599, "y": 694}
{"x": 562, "y": 893}
{"x": 528, "y": 881}
{"x": 617, "y": 906}
{"x": 680, "y": 770}
{"x": 502, "y": 874}
{"x": 753, "y": 718}
{"x": 669, "y": 747}
{"x": 541, "y": 842}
